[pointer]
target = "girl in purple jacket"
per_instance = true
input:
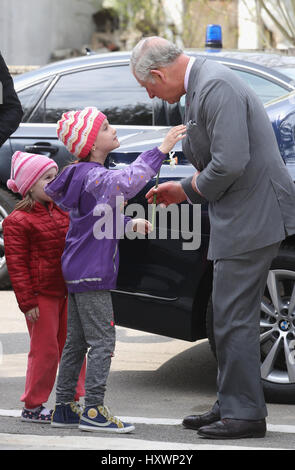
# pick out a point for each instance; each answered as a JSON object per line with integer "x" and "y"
{"x": 91, "y": 194}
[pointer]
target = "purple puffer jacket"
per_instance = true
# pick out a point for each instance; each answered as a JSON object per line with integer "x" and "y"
{"x": 90, "y": 193}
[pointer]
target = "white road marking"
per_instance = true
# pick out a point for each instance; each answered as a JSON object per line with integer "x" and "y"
{"x": 10, "y": 413}
{"x": 281, "y": 428}
{"x": 290, "y": 429}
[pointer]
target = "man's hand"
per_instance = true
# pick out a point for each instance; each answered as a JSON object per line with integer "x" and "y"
{"x": 33, "y": 314}
{"x": 141, "y": 226}
{"x": 167, "y": 193}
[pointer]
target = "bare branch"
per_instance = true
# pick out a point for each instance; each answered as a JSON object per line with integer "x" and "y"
{"x": 290, "y": 14}
{"x": 276, "y": 22}
{"x": 254, "y": 20}
{"x": 281, "y": 8}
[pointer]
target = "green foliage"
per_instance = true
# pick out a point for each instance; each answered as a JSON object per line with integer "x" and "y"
{"x": 145, "y": 15}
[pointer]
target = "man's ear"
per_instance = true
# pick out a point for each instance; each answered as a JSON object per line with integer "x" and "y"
{"x": 158, "y": 75}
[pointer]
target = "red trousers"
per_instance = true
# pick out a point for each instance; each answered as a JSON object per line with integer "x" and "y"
{"x": 47, "y": 339}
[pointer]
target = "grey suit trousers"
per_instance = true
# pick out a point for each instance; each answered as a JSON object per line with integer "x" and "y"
{"x": 238, "y": 286}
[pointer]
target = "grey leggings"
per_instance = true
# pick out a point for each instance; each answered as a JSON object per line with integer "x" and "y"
{"x": 90, "y": 327}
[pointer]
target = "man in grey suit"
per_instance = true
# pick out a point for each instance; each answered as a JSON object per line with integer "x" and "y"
{"x": 251, "y": 197}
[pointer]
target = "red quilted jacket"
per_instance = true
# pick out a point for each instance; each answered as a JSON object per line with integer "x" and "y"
{"x": 34, "y": 242}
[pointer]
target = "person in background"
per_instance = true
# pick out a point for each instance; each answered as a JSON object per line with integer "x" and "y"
{"x": 34, "y": 239}
{"x": 11, "y": 111}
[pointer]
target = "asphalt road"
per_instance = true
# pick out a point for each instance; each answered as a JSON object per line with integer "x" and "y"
{"x": 154, "y": 382}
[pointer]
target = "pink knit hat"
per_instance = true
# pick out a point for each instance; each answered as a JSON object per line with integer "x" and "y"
{"x": 26, "y": 169}
{"x": 78, "y": 130}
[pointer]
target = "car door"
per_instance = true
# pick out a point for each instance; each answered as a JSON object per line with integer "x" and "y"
{"x": 161, "y": 275}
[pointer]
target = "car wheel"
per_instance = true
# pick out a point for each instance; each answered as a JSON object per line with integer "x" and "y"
{"x": 7, "y": 204}
{"x": 277, "y": 330}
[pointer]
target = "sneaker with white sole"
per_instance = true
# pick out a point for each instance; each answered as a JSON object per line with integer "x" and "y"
{"x": 37, "y": 415}
{"x": 99, "y": 418}
{"x": 66, "y": 415}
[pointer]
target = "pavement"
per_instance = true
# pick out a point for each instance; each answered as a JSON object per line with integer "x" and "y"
{"x": 154, "y": 382}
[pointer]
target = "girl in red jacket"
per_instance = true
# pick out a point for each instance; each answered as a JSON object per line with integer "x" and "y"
{"x": 34, "y": 238}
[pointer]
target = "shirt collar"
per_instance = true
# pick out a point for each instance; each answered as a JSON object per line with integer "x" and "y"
{"x": 188, "y": 69}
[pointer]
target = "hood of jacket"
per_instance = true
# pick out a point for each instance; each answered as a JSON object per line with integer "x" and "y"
{"x": 66, "y": 189}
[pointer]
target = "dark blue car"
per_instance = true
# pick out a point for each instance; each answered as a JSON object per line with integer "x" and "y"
{"x": 162, "y": 287}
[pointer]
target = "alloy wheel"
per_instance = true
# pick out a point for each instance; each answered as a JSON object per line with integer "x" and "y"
{"x": 277, "y": 328}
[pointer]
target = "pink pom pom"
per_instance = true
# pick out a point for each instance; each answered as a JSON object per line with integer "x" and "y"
{"x": 11, "y": 185}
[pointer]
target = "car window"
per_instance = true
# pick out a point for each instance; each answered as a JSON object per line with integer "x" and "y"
{"x": 289, "y": 71}
{"x": 29, "y": 97}
{"x": 113, "y": 90}
{"x": 264, "y": 88}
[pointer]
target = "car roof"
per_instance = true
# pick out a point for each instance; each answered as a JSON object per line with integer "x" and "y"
{"x": 69, "y": 64}
{"x": 266, "y": 59}
{"x": 258, "y": 60}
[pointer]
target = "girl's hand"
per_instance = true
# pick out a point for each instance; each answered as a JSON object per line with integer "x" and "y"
{"x": 33, "y": 314}
{"x": 141, "y": 226}
{"x": 174, "y": 135}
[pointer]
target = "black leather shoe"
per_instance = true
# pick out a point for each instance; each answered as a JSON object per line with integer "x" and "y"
{"x": 197, "y": 421}
{"x": 233, "y": 429}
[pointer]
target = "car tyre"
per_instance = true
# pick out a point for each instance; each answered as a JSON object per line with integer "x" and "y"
{"x": 7, "y": 204}
{"x": 277, "y": 345}
{"x": 278, "y": 330}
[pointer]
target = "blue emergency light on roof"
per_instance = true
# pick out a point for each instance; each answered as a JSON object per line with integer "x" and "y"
{"x": 213, "y": 36}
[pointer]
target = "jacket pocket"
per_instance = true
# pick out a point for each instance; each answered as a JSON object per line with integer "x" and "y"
{"x": 281, "y": 191}
{"x": 286, "y": 198}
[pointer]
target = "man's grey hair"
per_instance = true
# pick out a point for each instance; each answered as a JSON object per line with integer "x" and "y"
{"x": 152, "y": 53}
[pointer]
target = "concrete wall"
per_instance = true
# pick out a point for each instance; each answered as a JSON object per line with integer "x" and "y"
{"x": 30, "y": 30}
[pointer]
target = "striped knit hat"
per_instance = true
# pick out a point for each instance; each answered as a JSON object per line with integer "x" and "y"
{"x": 26, "y": 169}
{"x": 78, "y": 130}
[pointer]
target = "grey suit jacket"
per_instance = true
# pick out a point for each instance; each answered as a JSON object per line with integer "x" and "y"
{"x": 230, "y": 140}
